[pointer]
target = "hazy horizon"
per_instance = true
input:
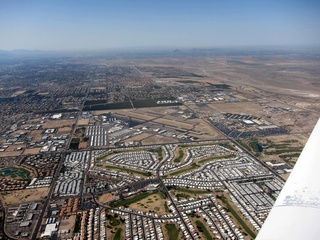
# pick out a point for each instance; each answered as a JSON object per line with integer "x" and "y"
{"x": 116, "y": 25}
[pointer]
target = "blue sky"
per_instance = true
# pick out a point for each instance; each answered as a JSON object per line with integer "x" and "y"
{"x": 98, "y": 25}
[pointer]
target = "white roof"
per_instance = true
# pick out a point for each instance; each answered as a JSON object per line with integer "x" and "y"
{"x": 296, "y": 213}
{"x": 50, "y": 228}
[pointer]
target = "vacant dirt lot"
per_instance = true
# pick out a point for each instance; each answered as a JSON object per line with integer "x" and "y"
{"x": 158, "y": 139}
{"x": 105, "y": 198}
{"x": 83, "y": 121}
{"x": 153, "y": 202}
{"x": 57, "y": 123}
{"x": 36, "y": 135}
{"x": 31, "y": 151}
{"x": 27, "y": 195}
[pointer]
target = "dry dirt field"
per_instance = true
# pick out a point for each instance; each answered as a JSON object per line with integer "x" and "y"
{"x": 27, "y": 195}
{"x": 64, "y": 130}
{"x": 67, "y": 222}
{"x": 237, "y": 107}
{"x": 10, "y": 154}
{"x": 36, "y": 135}
{"x": 153, "y": 202}
{"x": 105, "y": 198}
{"x": 297, "y": 122}
{"x": 31, "y": 151}
{"x": 57, "y": 123}
{"x": 139, "y": 137}
{"x": 158, "y": 139}
{"x": 83, "y": 121}
{"x": 83, "y": 145}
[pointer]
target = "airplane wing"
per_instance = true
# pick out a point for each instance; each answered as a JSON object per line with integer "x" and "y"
{"x": 296, "y": 212}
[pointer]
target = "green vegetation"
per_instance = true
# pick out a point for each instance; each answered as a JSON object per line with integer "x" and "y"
{"x": 287, "y": 150}
{"x": 221, "y": 86}
{"x": 96, "y": 107}
{"x": 172, "y": 231}
{"x": 202, "y": 228}
{"x": 15, "y": 172}
{"x": 117, "y": 236}
{"x": 256, "y": 146}
{"x": 237, "y": 216}
{"x": 166, "y": 208}
{"x": 146, "y": 174}
{"x": 75, "y": 140}
{"x": 130, "y": 200}
{"x": 104, "y": 156}
{"x": 244, "y": 145}
{"x": 163, "y": 194}
{"x": 216, "y": 158}
{"x": 182, "y": 195}
{"x": 227, "y": 145}
{"x": 158, "y": 151}
{"x": 294, "y": 155}
{"x": 77, "y": 225}
{"x": 188, "y": 190}
{"x": 179, "y": 158}
{"x": 74, "y": 144}
{"x": 186, "y": 169}
{"x": 113, "y": 220}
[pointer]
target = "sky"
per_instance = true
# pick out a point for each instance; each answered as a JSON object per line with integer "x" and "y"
{"x": 117, "y": 24}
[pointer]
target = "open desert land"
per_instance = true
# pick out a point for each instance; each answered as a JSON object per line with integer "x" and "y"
{"x": 296, "y": 122}
{"x": 289, "y": 75}
{"x": 250, "y": 108}
{"x": 21, "y": 196}
{"x": 255, "y": 70}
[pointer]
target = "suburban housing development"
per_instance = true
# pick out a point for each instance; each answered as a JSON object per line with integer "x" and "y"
{"x": 182, "y": 145}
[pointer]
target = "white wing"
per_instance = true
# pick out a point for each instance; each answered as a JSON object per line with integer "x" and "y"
{"x": 296, "y": 212}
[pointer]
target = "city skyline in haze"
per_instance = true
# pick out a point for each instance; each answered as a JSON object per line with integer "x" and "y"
{"x": 103, "y": 25}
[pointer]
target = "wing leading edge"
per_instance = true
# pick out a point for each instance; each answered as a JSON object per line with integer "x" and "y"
{"x": 296, "y": 212}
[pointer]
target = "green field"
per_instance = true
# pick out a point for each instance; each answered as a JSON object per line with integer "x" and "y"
{"x": 237, "y": 216}
{"x": 202, "y": 228}
{"x": 188, "y": 190}
{"x": 209, "y": 159}
{"x": 113, "y": 220}
{"x": 130, "y": 200}
{"x": 146, "y": 174}
{"x": 14, "y": 172}
{"x": 181, "y": 155}
{"x": 117, "y": 236}
{"x": 172, "y": 231}
{"x": 186, "y": 169}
